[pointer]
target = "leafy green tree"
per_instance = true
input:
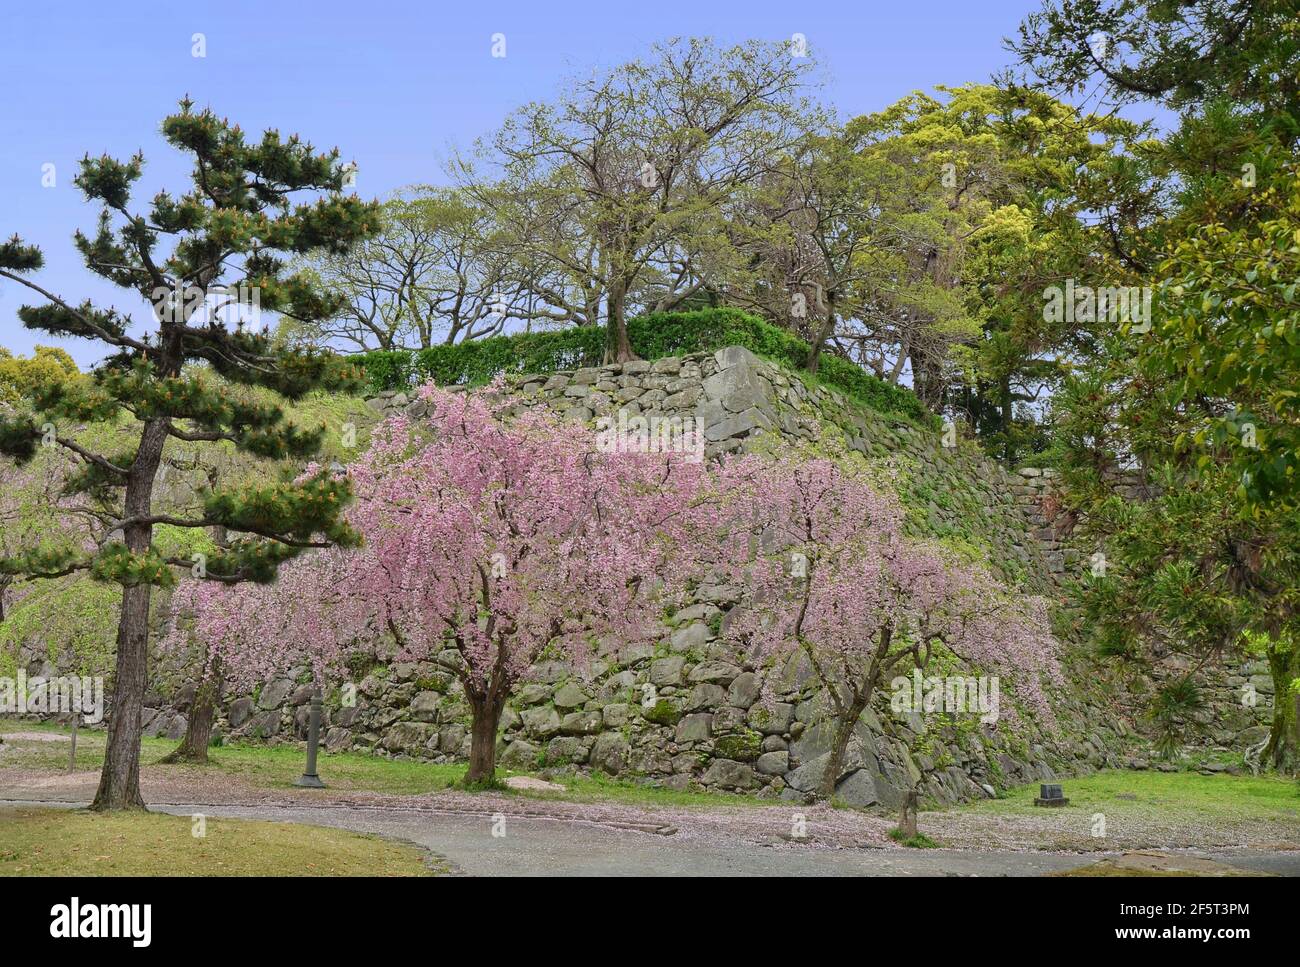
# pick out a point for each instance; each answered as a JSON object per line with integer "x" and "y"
{"x": 1054, "y": 174}
{"x": 1229, "y": 339}
{"x": 35, "y": 513}
{"x": 1188, "y": 576}
{"x": 1183, "y": 53}
{"x": 817, "y": 232}
{"x": 20, "y": 375}
{"x": 1197, "y": 411}
{"x": 931, "y": 228}
{"x": 250, "y": 205}
{"x": 74, "y": 618}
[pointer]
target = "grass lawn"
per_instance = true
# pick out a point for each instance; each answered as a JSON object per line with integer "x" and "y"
{"x": 277, "y": 767}
{"x": 1127, "y": 810}
{"x": 1148, "y": 796}
{"x": 67, "y": 842}
{"x": 1164, "y": 795}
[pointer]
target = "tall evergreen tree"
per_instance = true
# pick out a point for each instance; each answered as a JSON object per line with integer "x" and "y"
{"x": 1201, "y": 402}
{"x": 252, "y": 205}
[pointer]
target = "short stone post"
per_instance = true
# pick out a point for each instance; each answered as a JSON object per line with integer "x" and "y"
{"x": 907, "y": 821}
{"x": 309, "y": 777}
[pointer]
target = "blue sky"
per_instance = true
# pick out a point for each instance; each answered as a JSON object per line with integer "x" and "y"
{"x": 395, "y": 84}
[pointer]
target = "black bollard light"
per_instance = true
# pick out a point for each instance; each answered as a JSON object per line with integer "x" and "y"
{"x": 309, "y": 777}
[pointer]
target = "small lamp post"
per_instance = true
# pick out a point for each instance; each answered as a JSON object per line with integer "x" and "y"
{"x": 309, "y": 778}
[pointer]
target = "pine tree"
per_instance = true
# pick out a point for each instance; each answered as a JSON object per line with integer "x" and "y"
{"x": 252, "y": 206}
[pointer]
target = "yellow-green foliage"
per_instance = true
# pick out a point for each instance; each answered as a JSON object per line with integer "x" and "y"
{"x": 73, "y": 618}
{"x": 19, "y": 374}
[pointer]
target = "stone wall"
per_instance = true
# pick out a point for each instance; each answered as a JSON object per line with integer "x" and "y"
{"x": 1238, "y": 696}
{"x": 685, "y": 710}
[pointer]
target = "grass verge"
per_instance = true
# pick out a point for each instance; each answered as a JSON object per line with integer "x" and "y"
{"x": 1163, "y": 795}
{"x": 76, "y": 842}
{"x": 277, "y": 766}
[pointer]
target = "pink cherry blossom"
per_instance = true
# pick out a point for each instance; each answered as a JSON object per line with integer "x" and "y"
{"x": 485, "y": 542}
{"x": 830, "y": 575}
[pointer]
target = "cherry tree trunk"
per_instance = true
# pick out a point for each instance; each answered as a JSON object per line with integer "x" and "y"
{"x": 618, "y": 348}
{"x": 843, "y": 733}
{"x": 486, "y": 717}
{"x": 203, "y": 713}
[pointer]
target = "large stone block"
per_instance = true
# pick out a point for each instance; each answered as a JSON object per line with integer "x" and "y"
{"x": 581, "y": 723}
{"x": 744, "y": 690}
{"x": 274, "y": 693}
{"x": 717, "y": 672}
{"x": 408, "y": 737}
{"x": 610, "y": 753}
{"x": 424, "y": 707}
{"x": 239, "y": 712}
{"x": 695, "y": 728}
{"x": 772, "y": 719}
{"x": 729, "y": 774}
{"x": 773, "y": 763}
{"x": 519, "y": 754}
{"x": 667, "y": 671}
{"x": 542, "y": 721}
{"x": 857, "y": 789}
{"x": 705, "y": 696}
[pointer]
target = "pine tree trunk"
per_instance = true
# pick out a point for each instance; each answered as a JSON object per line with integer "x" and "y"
{"x": 203, "y": 713}
{"x": 1283, "y": 749}
{"x": 486, "y": 718}
{"x": 119, "y": 781}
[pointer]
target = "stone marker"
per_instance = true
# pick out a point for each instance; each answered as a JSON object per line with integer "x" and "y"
{"x": 1049, "y": 794}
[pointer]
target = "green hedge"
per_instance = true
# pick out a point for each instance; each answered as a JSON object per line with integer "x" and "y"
{"x": 652, "y": 336}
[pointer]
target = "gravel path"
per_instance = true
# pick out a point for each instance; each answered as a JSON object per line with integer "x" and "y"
{"x": 533, "y": 844}
{"x": 540, "y": 836}
{"x": 496, "y": 835}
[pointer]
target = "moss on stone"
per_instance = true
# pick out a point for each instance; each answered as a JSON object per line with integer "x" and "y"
{"x": 742, "y": 746}
{"x": 663, "y": 712}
